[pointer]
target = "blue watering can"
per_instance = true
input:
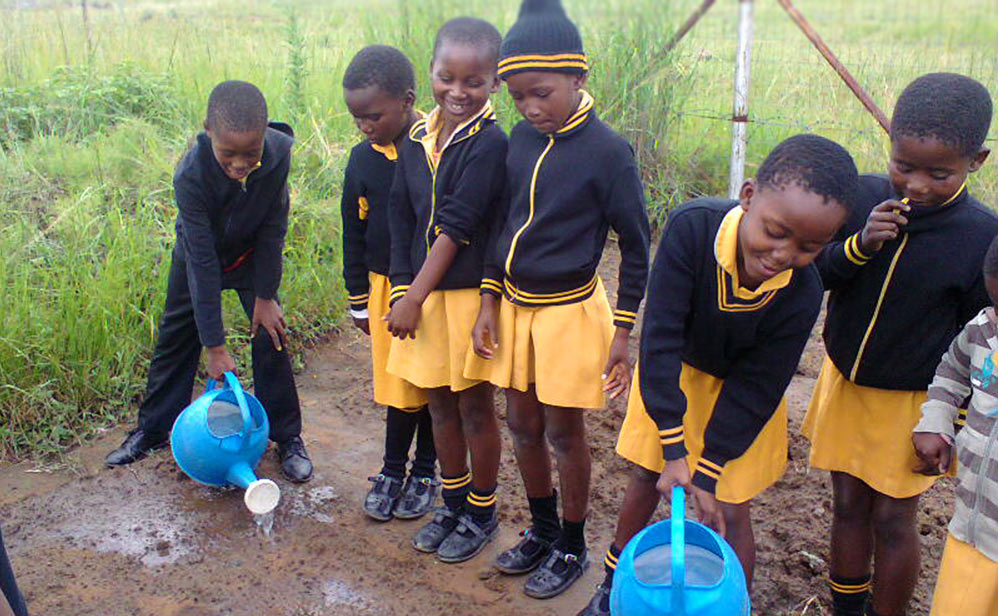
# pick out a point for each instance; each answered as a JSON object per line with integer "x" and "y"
{"x": 219, "y": 439}
{"x": 679, "y": 567}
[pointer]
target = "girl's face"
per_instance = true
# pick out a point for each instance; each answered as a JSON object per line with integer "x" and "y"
{"x": 463, "y": 78}
{"x": 378, "y": 115}
{"x": 546, "y": 100}
{"x": 783, "y": 227}
{"x": 928, "y": 171}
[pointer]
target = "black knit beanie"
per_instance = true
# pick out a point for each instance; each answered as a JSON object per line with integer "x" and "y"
{"x": 542, "y": 39}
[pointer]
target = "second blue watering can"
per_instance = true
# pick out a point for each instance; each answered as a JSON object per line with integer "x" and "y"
{"x": 219, "y": 439}
{"x": 679, "y": 567}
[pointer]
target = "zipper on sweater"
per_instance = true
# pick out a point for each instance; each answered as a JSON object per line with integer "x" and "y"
{"x": 876, "y": 310}
{"x": 979, "y": 488}
{"x": 530, "y": 216}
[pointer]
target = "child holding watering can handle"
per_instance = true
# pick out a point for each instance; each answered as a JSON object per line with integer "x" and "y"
{"x": 732, "y": 297}
{"x": 232, "y": 200}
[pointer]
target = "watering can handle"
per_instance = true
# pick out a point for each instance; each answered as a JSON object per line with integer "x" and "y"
{"x": 678, "y": 542}
{"x": 233, "y": 383}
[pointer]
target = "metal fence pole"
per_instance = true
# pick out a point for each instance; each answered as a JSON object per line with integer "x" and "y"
{"x": 739, "y": 117}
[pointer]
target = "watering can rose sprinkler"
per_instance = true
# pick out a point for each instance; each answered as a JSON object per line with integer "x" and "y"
{"x": 218, "y": 441}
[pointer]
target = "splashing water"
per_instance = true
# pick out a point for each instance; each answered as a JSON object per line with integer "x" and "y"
{"x": 265, "y": 523}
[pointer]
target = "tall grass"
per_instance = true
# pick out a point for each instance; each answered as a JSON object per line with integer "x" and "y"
{"x": 90, "y": 132}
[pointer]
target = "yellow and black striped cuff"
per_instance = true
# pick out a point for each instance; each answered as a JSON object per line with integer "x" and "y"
{"x": 491, "y": 286}
{"x": 707, "y": 474}
{"x": 850, "y": 589}
{"x": 610, "y": 561}
{"x": 560, "y": 62}
{"x": 398, "y": 292}
{"x": 853, "y": 253}
{"x": 624, "y": 318}
{"x": 455, "y": 483}
{"x": 481, "y": 500}
{"x": 358, "y": 301}
{"x": 671, "y": 436}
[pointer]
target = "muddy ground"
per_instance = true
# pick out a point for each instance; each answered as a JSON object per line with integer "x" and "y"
{"x": 146, "y": 540}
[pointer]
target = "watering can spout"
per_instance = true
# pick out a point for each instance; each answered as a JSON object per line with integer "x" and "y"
{"x": 261, "y": 496}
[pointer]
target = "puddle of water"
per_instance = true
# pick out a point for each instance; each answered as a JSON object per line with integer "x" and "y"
{"x": 338, "y": 593}
{"x": 313, "y": 503}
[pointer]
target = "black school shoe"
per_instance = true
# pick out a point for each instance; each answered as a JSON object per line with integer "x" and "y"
{"x": 599, "y": 605}
{"x": 137, "y": 445}
{"x": 558, "y": 572}
{"x": 381, "y": 499}
{"x": 525, "y": 556}
{"x": 467, "y": 539}
{"x": 433, "y": 533}
{"x": 294, "y": 460}
{"x": 417, "y": 497}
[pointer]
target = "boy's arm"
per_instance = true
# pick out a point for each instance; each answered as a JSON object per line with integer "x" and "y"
{"x": 950, "y": 386}
{"x": 627, "y": 215}
{"x": 268, "y": 250}
{"x": 843, "y": 258}
{"x": 401, "y": 227}
{"x": 670, "y": 298}
{"x": 204, "y": 271}
{"x": 751, "y": 394}
{"x": 354, "y": 214}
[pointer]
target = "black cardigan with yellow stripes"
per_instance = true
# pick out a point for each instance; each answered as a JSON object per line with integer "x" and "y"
{"x": 693, "y": 315}
{"x": 458, "y": 196}
{"x": 564, "y": 193}
{"x": 367, "y": 182}
{"x": 893, "y": 314}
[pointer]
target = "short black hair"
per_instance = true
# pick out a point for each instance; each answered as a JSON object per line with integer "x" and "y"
{"x": 815, "y": 164}
{"x": 236, "y": 106}
{"x": 470, "y": 31}
{"x": 991, "y": 260}
{"x": 382, "y": 66}
{"x": 954, "y": 109}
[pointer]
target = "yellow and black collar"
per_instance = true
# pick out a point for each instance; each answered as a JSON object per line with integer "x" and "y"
{"x": 425, "y": 130}
{"x": 578, "y": 119}
{"x": 731, "y": 297}
{"x": 559, "y": 62}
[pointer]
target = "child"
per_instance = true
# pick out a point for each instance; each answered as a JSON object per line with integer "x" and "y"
{"x": 447, "y": 184}
{"x": 970, "y": 560}
{"x": 732, "y": 298}
{"x": 232, "y": 196}
{"x": 380, "y": 89}
{"x": 570, "y": 178}
{"x": 903, "y": 281}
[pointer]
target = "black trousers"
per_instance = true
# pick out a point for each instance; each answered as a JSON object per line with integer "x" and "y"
{"x": 8, "y": 585}
{"x": 178, "y": 349}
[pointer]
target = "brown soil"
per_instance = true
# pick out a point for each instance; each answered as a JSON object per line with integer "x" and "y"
{"x": 146, "y": 540}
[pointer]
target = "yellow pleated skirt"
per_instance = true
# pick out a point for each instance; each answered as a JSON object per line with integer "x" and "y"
{"x": 865, "y": 432}
{"x": 967, "y": 583}
{"x": 743, "y": 478}
{"x": 389, "y": 389}
{"x": 561, "y": 350}
{"x": 436, "y": 357}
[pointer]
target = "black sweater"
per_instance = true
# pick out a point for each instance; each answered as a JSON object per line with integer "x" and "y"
{"x": 224, "y": 224}
{"x": 459, "y": 196}
{"x": 367, "y": 183}
{"x": 564, "y": 193}
{"x": 694, "y": 315}
{"x": 892, "y": 315}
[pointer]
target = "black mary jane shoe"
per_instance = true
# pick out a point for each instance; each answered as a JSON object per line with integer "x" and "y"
{"x": 432, "y": 534}
{"x": 558, "y": 572}
{"x": 381, "y": 499}
{"x": 468, "y": 539}
{"x": 599, "y": 605}
{"x": 417, "y": 497}
{"x": 525, "y": 556}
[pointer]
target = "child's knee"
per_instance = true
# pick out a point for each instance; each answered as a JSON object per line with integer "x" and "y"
{"x": 895, "y": 523}
{"x": 851, "y": 506}
{"x": 567, "y": 435}
{"x": 526, "y": 428}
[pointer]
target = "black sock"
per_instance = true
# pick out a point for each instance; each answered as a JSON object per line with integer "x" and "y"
{"x": 544, "y": 517}
{"x": 849, "y": 594}
{"x": 610, "y": 564}
{"x": 573, "y": 537}
{"x": 481, "y": 504}
{"x": 399, "y": 428}
{"x": 455, "y": 490}
{"x": 424, "y": 463}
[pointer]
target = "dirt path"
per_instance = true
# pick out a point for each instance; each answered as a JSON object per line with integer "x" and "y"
{"x": 148, "y": 541}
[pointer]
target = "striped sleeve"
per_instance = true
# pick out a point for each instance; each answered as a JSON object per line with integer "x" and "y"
{"x": 492, "y": 286}
{"x": 951, "y": 384}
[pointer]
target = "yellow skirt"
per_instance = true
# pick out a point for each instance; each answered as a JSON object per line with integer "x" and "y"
{"x": 865, "y": 432}
{"x": 743, "y": 478}
{"x": 967, "y": 584}
{"x": 561, "y": 350}
{"x": 435, "y": 358}
{"x": 389, "y": 389}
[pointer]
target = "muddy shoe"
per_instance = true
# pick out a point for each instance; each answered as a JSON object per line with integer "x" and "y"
{"x": 138, "y": 444}
{"x": 599, "y": 605}
{"x": 417, "y": 497}
{"x": 294, "y": 460}
{"x": 429, "y": 538}
{"x": 525, "y": 556}
{"x": 380, "y": 501}
{"x": 558, "y": 572}
{"x": 468, "y": 539}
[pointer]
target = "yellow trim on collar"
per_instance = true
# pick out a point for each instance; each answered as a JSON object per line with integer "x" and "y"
{"x": 959, "y": 191}
{"x": 432, "y": 124}
{"x": 580, "y": 115}
{"x": 726, "y": 253}
{"x": 388, "y": 151}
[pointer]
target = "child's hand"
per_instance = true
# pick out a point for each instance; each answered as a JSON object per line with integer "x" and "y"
{"x": 709, "y": 510}
{"x": 363, "y": 325}
{"x": 617, "y": 373}
{"x": 883, "y": 225}
{"x": 933, "y": 451}
{"x": 403, "y": 318}
{"x": 484, "y": 335}
{"x": 676, "y": 473}
{"x": 219, "y": 362}
{"x": 268, "y": 313}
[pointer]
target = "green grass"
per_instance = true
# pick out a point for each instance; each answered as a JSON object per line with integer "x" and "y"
{"x": 92, "y": 121}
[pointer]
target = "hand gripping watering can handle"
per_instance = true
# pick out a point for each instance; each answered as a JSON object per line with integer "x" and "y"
{"x": 678, "y": 542}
